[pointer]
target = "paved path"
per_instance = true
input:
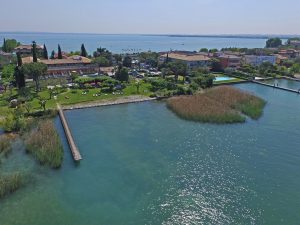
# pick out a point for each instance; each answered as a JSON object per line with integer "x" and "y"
{"x": 123, "y": 100}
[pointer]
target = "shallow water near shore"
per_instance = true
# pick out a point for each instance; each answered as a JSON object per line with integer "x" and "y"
{"x": 143, "y": 165}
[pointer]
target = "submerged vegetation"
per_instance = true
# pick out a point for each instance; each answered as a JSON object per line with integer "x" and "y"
{"x": 218, "y": 105}
{"x": 45, "y": 145}
{"x": 10, "y": 183}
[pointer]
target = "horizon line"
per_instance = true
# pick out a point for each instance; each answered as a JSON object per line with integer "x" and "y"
{"x": 158, "y": 34}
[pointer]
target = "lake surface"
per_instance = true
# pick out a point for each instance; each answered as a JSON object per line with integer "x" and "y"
{"x": 143, "y": 165}
{"x": 132, "y": 43}
{"x": 286, "y": 83}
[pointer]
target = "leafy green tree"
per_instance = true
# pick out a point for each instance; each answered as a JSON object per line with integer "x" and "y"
{"x": 213, "y": 50}
{"x": 34, "y": 53}
{"x": 52, "y": 55}
{"x": 118, "y": 58}
{"x": 127, "y": 61}
{"x": 83, "y": 51}
{"x": 59, "y": 53}
{"x": 203, "y": 80}
{"x": 273, "y": 43}
{"x": 122, "y": 74}
{"x": 45, "y": 52}
{"x": 203, "y": 50}
{"x": 104, "y": 53}
{"x": 9, "y": 45}
{"x": 8, "y": 72}
{"x": 15, "y": 120}
{"x": 35, "y": 70}
{"x": 101, "y": 62}
{"x": 150, "y": 58}
{"x": 178, "y": 68}
{"x": 74, "y": 76}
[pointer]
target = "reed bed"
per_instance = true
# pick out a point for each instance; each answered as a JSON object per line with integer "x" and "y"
{"x": 242, "y": 101}
{"x": 217, "y": 105}
{"x": 45, "y": 145}
{"x": 10, "y": 183}
{"x": 5, "y": 145}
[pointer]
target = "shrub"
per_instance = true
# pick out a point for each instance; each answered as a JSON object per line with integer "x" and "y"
{"x": 10, "y": 183}
{"x": 45, "y": 145}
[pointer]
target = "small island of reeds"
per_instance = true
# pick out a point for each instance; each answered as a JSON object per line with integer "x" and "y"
{"x": 220, "y": 105}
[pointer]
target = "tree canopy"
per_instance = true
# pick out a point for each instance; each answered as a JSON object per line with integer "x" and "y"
{"x": 273, "y": 43}
{"x": 9, "y": 45}
{"x": 122, "y": 74}
{"x": 35, "y": 70}
{"x": 127, "y": 61}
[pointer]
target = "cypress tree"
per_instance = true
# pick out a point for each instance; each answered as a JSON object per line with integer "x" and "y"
{"x": 4, "y": 47}
{"x": 19, "y": 59}
{"x": 83, "y": 51}
{"x": 52, "y": 55}
{"x": 34, "y": 53}
{"x": 19, "y": 75}
{"x": 59, "y": 53}
{"x": 45, "y": 52}
{"x": 167, "y": 59}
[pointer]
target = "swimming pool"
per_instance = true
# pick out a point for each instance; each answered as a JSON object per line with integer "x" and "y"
{"x": 223, "y": 78}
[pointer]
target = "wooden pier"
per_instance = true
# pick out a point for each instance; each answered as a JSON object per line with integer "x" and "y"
{"x": 73, "y": 147}
{"x": 277, "y": 87}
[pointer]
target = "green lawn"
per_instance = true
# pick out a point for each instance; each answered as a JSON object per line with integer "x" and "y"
{"x": 72, "y": 96}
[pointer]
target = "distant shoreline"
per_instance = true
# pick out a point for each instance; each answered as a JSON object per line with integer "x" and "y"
{"x": 246, "y": 36}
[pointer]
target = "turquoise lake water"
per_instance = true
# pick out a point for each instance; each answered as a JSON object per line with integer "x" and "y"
{"x": 143, "y": 165}
{"x": 132, "y": 43}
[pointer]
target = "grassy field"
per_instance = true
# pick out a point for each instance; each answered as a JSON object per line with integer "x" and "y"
{"x": 218, "y": 105}
{"x": 69, "y": 96}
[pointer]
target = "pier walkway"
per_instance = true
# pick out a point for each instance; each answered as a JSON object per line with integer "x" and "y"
{"x": 277, "y": 87}
{"x": 73, "y": 147}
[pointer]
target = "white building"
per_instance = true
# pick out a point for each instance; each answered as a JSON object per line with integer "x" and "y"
{"x": 256, "y": 60}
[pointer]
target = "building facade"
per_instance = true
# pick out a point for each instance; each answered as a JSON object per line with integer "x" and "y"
{"x": 78, "y": 64}
{"x": 256, "y": 60}
{"x": 230, "y": 61}
{"x": 192, "y": 60}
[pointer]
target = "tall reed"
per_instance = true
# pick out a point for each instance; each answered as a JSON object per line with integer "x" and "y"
{"x": 218, "y": 105}
{"x": 10, "y": 183}
{"x": 45, "y": 145}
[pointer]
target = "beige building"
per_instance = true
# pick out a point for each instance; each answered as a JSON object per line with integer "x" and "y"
{"x": 192, "y": 60}
{"x": 78, "y": 64}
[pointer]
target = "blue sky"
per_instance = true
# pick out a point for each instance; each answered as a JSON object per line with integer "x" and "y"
{"x": 152, "y": 16}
